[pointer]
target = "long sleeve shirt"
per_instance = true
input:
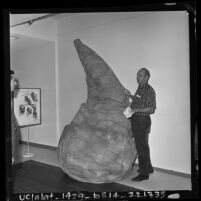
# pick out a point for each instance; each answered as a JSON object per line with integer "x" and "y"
{"x": 144, "y": 97}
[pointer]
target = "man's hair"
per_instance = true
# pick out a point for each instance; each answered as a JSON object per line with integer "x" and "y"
{"x": 146, "y": 72}
{"x": 11, "y": 72}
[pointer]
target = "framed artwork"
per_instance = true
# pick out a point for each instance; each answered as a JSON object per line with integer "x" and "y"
{"x": 27, "y": 106}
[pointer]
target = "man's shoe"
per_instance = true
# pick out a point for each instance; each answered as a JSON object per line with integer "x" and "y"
{"x": 140, "y": 178}
{"x": 150, "y": 171}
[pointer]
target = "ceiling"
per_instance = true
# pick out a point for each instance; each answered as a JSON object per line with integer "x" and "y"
{"x": 20, "y": 18}
{"x": 24, "y": 41}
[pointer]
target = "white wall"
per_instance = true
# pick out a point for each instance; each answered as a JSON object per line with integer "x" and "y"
{"x": 35, "y": 68}
{"x": 127, "y": 42}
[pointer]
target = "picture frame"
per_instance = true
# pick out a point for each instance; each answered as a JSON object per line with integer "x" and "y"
{"x": 27, "y": 106}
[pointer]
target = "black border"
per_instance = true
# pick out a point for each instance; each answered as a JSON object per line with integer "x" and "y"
{"x": 189, "y": 6}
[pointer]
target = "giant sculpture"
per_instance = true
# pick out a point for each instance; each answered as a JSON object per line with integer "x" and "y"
{"x": 97, "y": 146}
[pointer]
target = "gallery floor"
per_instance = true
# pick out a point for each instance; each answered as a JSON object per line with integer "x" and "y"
{"x": 158, "y": 180}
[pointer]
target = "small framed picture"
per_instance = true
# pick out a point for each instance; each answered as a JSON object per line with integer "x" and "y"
{"x": 27, "y": 106}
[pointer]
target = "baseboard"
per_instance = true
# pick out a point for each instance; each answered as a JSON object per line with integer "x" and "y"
{"x": 155, "y": 168}
{"x": 171, "y": 172}
{"x": 39, "y": 145}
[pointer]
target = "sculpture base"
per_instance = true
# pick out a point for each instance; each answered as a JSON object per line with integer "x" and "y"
{"x": 28, "y": 155}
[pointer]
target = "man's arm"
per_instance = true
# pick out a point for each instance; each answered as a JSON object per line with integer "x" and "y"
{"x": 144, "y": 105}
{"x": 128, "y": 93}
{"x": 149, "y": 110}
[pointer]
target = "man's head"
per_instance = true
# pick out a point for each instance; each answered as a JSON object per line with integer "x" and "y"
{"x": 143, "y": 76}
{"x": 13, "y": 81}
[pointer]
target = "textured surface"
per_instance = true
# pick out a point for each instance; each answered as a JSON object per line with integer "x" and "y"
{"x": 97, "y": 146}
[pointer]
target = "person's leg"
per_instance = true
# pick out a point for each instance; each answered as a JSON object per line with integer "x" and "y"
{"x": 150, "y": 167}
{"x": 143, "y": 155}
{"x": 140, "y": 125}
{"x": 15, "y": 140}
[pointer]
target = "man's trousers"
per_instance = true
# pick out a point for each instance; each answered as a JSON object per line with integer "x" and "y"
{"x": 141, "y": 126}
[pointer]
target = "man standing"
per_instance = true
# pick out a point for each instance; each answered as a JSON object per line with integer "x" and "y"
{"x": 15, "y": 132}
{"x": 143, "y": 104}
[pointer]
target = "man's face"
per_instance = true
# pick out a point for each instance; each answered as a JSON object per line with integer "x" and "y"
{"x": 141, "y": 77}
{"x": 13, "y": 82}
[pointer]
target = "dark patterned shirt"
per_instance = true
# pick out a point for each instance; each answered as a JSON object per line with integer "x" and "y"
{"x": 144, "y": 97}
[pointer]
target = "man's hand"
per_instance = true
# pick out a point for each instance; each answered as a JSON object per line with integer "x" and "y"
{"x": 127, "y": 92}
{"x": 133, "y": 111}
{"x": 128, "y": 112}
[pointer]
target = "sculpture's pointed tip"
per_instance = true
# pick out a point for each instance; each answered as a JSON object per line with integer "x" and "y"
{"x": 77, "y": 42}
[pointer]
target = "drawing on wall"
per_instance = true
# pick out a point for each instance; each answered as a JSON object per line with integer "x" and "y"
{"x": 27, "y": 106}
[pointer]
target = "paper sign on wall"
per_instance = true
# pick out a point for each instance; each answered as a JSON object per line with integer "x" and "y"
{"x": 27, "y": 106}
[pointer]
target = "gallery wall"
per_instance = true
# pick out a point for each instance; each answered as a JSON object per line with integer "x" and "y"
{"x": 158, "y": 41}
{"x": 34, "y": 67}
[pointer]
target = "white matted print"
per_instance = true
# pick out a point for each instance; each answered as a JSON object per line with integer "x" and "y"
{"x": 27, "y": 106}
